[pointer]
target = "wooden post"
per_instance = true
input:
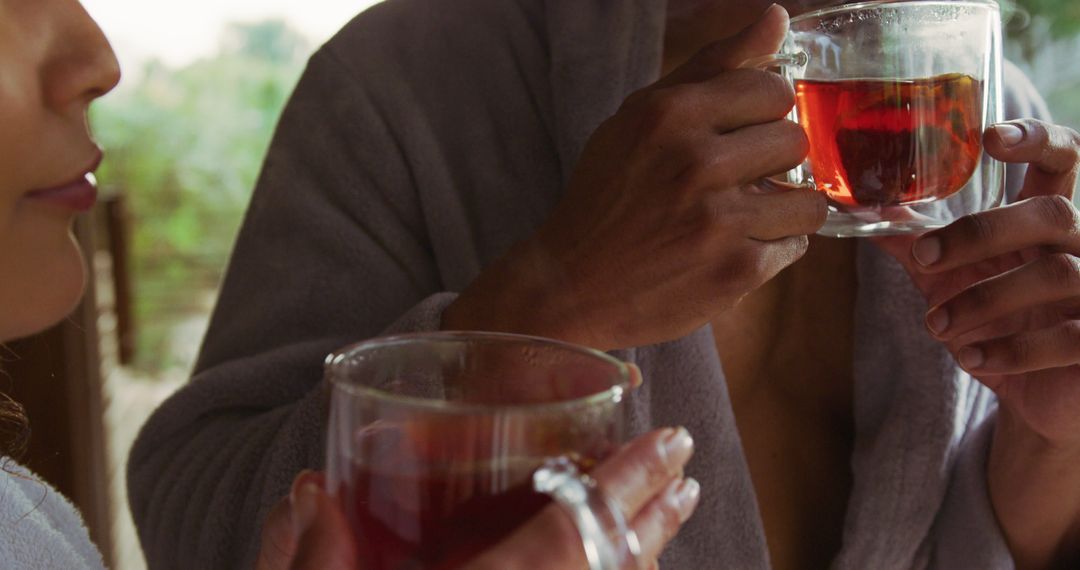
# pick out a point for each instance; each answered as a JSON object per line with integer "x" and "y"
{"x": 117, "y": 223}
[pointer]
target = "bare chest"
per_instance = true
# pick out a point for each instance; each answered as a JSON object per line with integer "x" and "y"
{"x": 786, "y": 352}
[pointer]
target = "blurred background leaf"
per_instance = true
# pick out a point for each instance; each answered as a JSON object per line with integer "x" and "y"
{"x": 185, "y": 146}
{"x": 1035, "y": 23}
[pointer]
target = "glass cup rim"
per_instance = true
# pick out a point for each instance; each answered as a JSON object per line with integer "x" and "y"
{"x": 833, "y": 10}
{"x": 614, "y": 393}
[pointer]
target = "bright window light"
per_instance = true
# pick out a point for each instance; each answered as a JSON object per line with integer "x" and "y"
{"x": 178, "y": 33}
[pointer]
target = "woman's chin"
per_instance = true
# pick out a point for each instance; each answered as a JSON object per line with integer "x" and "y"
{"x": 42, "y": 294}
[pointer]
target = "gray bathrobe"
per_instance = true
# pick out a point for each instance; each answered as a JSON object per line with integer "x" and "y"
{"x": 425, "y": 139}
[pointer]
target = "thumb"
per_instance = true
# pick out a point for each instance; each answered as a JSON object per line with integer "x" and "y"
{"x": 325, "y": 541}
{"x": 1052, "y": 153}
{"x": 763, "y": 37}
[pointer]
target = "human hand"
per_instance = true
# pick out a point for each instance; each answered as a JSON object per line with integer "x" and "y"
{"x": 308, "y": 531}
{"x": 1004, "y": 291}
{"x": 661, "y": 227}
{"x": 644, "y": 479}
{"x": 1004, "y": 285}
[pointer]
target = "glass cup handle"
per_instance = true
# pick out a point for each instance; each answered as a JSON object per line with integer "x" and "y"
{"x": 796, "y": 178}
{"x": 797, "y": 59}
{"x": 610, "y": 543}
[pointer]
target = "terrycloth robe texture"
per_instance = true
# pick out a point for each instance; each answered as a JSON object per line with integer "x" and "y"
{"x": 39, "y": 528}
{"x": 422, "y": 142}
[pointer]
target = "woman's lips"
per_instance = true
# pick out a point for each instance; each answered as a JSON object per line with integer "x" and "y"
{"x": 78, "y": 195}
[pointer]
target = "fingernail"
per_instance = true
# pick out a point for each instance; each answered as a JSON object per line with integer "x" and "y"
{"x": 1010, "y": 135}
{"x": 684, "y": 497}
{"x": 971, "y": 357}
{"x": 938, "y": 320}
{"x": 305, "y": 504}
{"x": 927, "y": 250}
{"x": 636, "y": 378}
{"x": 676, "y": 447}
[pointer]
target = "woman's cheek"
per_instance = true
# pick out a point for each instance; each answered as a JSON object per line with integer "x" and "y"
{"x": 44, "y": 271}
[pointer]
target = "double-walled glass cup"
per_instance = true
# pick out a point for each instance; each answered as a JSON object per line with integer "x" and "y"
{"x": 894, "y": 97}
{"x": 441, "y": 444}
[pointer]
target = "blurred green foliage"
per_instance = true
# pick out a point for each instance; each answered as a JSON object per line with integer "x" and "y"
{"x": 1035, "y": 23}
{"x": 185, "y": 146}
{"x": 1045, "y": 37}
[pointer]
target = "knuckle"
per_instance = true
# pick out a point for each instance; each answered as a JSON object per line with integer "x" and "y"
{"x": 738, "y": 218}
{"x": 774, "y": 89}
{"x": 1036, "y": 132}
{"x": 702, "y": 164}
{"x": 688, "y": 181}
{"x": 734, "y": 269}
{"x": 1073, "y": 138}
{"x": 656, "y": 470}
{"x": 732, "y": 217}
{"x": 769, "y": 89}
{"x": 819, "y": 210}
{"x": 713, "y": 216}
{"x": 1057, "y": 211}
{"x": 722, "y": 170}
{"x": 802, "y": 147}
{"x": 670, "y": 521}
{"x": 800, "y": 245}
{"x": 749, "y": 268}
{"x": 1071, "y": 331}
{"x": 1018, "y": 351}
{"x": 657, "y": 108}
{"x": 977, "y": 229}
{"x": 761, "y": 267}
{"x": 1060, "y": 147}
{"x": 978, "y": 297}
{"x": 793, "y": 143}
{"x": 1062, "y": 269}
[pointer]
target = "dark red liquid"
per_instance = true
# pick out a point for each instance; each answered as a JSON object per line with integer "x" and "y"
{"x": 442, "y": 520}
{"x": 884, "y": 143}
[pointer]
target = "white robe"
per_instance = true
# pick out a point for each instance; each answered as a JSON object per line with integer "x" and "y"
{"x": 39, "y": 528}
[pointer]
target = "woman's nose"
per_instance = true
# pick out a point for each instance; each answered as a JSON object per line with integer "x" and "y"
{"x": 81, "y": 66}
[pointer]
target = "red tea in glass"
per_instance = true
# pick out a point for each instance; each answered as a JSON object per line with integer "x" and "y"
{"x": 425, "y": 497}
{"x": 441, "y": 444}
{"x": 437, "y": 519}
{"x": 891, "y": 142}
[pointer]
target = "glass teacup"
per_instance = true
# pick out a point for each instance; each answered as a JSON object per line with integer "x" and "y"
{"x": 894, "y": 97}
{"x": 441, "y": 444}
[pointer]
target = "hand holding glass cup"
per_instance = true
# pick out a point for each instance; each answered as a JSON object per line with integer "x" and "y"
{"x": 894, "y": 97}
{"x": 441, "y": 444}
